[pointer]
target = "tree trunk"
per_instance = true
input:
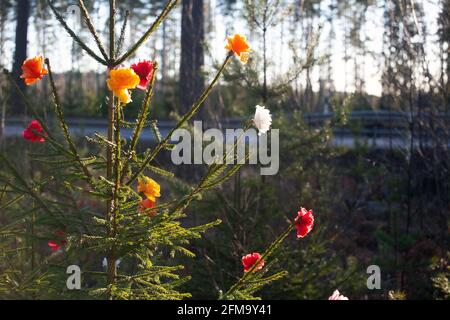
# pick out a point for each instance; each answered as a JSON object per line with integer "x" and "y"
{"x": 192, "y": 59}
{"x": 264, "y": 91}
{"x": 20, "y": 53}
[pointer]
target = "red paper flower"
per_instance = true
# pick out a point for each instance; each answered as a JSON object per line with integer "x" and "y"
{"x": 30, "y": 132}
{"x": 144, "y": 69}
{"x": 304, "y": 222}
{"x": 249, "y": 260}
{"x": 55, "y": 245}
{"x": 146, "y": 204}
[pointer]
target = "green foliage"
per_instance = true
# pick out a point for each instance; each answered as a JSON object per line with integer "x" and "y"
{"x": 90, "y": 196}
{"x": 260, "y": 208}
{"x": 84, "y": 200}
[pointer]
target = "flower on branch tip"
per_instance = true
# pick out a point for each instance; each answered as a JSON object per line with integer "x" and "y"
{"x": 238, "y": 44}
{"x": 304, "y": 222}
{"x": 149, "y": 187}
{"x": 144, "y": 69}
{"x": 120, "y": 81}
{"x": 33, "y": 70}
{"x": 262, "y": 119}
{"x": 30, "y": 132}
{"x": 146, "y": 204}
{"x": 337, "y": 296}
{"x": 55, "y": 245}
{"x": 249, "y": 260}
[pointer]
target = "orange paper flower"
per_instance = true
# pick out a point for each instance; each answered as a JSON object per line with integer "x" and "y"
{"x": 120, "y": 81}
{"x": 33, "y": 70}
{"x": 238, "y": 44}
{"x": 149, "y": 187}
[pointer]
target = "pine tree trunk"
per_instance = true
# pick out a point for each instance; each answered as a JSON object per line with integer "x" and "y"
{"x": 20, "y": 53}
{"x": 192, "y": 59}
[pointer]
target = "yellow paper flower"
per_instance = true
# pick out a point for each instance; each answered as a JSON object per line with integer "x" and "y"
{"x": 120, "y": 81}
{"x": 238, "y": 44}
{"x": 149, "y": 187}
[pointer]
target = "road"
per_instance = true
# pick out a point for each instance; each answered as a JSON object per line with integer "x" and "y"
{"x": 376, "y": 129}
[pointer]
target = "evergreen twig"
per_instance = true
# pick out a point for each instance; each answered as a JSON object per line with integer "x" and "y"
{"x": 140, "y": 122}
{"x": 269, "y": 251}
{"x": 74, "y": 36}
{"x": 169, "y": 6}
{"x": 122, "y": 32}
{"x": 92, "y": 29}
{"x": 63, "y": 124}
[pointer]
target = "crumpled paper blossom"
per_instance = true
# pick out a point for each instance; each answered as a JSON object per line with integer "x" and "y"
{"x": 262, "y": 119}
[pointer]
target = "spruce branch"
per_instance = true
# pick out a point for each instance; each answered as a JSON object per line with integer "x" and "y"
{"x": 155, "y": 130}
{"x": 244, "y": 280}
{"x": 56, "y": 144}
{"x": 92, "y": 29}
{"x": 122, "y": 32}
{"x": 26, "y": 102}
{"x": 143, "y": 113}
{"x": 169, "y": 6}
{"x": 12, "y": 201}
{"x": 140, "y": 122}
{"x": 74, "y": 36}
{"x": 214, "y": 177}
{"x": 63, "y": 124}
{"x": 112, "y": 32}
{"x": 27, "y": 189}
{"x": 183, "y": 120}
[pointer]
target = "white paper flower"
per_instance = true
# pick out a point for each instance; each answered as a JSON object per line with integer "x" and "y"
{"x": 262, "y": 119}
